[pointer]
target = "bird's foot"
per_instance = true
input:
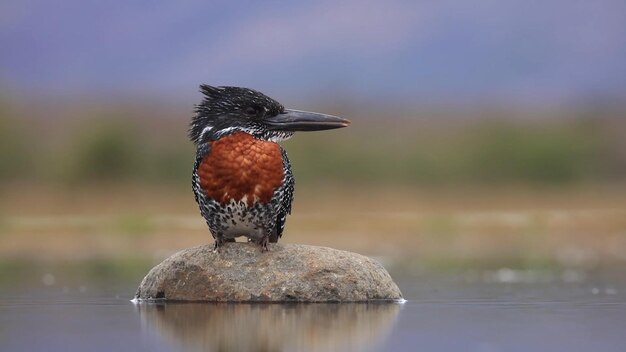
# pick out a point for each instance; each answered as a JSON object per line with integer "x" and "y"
{"x": 264, "y": 241}
{"x": 219, "y": 242}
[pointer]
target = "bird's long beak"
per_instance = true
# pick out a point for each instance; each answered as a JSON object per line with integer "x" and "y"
{"x": 296, "y": 120}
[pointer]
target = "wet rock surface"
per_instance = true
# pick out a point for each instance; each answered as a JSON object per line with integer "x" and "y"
{"x": 240, "y": 272}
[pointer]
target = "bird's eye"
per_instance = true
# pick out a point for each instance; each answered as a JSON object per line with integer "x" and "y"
{"x": 252, "y": 110}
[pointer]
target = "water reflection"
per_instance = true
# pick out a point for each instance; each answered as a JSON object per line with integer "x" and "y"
{"x": 271, "y": 327}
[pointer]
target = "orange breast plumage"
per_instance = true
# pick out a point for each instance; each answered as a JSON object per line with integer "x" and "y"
{"x": 240, "y": 166}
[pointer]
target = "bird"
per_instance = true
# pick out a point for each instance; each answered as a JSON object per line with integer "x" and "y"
{"x": 242, "y": 179}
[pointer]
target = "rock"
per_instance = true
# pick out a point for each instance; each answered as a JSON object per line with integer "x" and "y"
{"x": 240, "y": 272}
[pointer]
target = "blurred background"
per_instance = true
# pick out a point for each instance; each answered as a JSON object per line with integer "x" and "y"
{"x": 484, "y": 133}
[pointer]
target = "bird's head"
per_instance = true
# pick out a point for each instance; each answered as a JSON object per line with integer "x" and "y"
{"x": 225, "y": 110}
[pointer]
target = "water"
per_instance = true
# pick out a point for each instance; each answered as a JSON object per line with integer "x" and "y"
{"x": 497, "y": 310}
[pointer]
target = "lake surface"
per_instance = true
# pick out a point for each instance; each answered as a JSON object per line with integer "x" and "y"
{"x": 466, "y": 310}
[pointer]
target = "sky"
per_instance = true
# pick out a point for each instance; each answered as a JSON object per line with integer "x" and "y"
{"x": 553, "y": 52}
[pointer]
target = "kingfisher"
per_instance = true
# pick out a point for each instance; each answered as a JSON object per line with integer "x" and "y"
{"x": 242, "y": 178}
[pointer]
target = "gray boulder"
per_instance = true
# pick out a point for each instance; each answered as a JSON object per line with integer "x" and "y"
{"x": 240, "y": 272}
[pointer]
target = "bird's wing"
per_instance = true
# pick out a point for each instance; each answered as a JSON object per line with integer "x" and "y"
{"x": 287, "y": 198}
{"x": 203, "y": 150}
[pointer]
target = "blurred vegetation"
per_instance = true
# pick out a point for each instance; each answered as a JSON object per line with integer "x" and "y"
{"x": 105, "y": 150}
{"x": 15, "y": 158}
{"x": 485, "y": 152}
{"x": 15, "y": 272}
{"x": 132, "y": 145}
